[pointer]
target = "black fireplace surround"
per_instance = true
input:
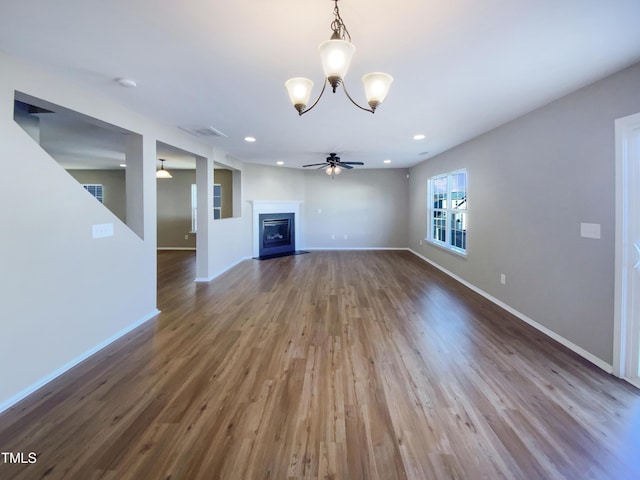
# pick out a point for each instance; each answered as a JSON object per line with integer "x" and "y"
{"x": 277, "y": 234}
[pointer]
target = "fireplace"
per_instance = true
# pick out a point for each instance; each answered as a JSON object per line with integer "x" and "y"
{"x": 277, "y": 233}
{"x": 274, "y": 210}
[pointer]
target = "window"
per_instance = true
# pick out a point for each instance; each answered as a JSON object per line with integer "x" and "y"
{"x": 447, "y": 210}
{"x": 217, "y": 205}
{"x": 194, "y": 208}
{"x": 95, "y": 190}
{"x": 217, "y": 201}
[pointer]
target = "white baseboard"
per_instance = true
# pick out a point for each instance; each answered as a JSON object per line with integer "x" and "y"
{"x": 69, "y": 365}
{"x": 633, "y": 381}
{"x": 550, "y": 333}
{"x": 217, "y": 274}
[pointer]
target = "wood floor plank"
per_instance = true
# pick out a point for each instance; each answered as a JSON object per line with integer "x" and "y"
{"x": 331, "y": 365}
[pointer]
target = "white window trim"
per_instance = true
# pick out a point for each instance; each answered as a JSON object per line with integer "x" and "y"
{"x": 219, "y": 209}
{"x": 194, "y": 208}
{"x": 626, "y": 347}
{"x": 429, "y": 238}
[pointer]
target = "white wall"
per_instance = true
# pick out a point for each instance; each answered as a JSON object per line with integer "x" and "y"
{"x": 64, "y": 294}
{"x": 531, "y": 183}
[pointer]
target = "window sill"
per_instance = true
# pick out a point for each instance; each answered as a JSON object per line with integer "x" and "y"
{"x": 457, "y": 252}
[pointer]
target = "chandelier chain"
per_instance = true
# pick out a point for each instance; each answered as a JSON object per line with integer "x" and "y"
{"x": 338, "y": 26}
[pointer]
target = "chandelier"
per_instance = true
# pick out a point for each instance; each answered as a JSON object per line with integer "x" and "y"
{"x": 336, "y": 54}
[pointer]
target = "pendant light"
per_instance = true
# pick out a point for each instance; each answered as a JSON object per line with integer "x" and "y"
{"x": 161, "y": 172}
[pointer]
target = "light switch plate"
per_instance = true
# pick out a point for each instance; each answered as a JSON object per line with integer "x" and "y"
{"x": 590, "y": 230}
{"x": 102, "y": 230}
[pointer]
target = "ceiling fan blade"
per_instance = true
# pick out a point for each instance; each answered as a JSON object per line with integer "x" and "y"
{"x": 344, "y": 165}
{"x": 314, "y": 164}
{"x": 352, "y": 163}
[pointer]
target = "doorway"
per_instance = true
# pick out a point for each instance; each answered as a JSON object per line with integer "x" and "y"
{"x": 626, "y": 361}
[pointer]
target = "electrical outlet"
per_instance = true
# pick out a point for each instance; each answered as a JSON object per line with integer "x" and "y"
{"x": 346, "y": 236}
{"x": 420, "y": 241}
{"x": 503, "y": 279}
{"x": 333, "y": 237}
{"x": 186, "y": 237}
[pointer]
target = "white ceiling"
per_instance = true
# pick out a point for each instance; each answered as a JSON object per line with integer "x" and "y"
{"x": 461, "y": 67}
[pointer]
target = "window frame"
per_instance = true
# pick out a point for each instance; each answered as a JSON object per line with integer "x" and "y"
{"x": 96, "y": 190}
{"x": 449, "y": 212}
{"x": 194, "y": 208}
{"x": 217, "y": 211}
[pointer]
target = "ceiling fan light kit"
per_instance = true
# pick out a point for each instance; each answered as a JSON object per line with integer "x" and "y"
{"x": 333, "y": 166}
{"x": 335, "y": 55}
{"x": 333, "y": 170}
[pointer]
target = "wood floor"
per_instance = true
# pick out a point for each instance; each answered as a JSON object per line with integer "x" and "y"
{"x": 331, "y": 365}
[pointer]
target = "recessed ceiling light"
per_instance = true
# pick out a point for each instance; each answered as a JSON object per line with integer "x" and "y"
{"x": 123, "y": 165}
{"x": 126, "y": 82}
{"x": 249, "y": 139}
{"x": 418, "y": 136}
{"x": 280, "y": 162}
{"x": 387, "y": 161}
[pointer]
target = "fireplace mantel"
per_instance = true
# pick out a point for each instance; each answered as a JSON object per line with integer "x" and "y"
{"x": 274, "y": 206}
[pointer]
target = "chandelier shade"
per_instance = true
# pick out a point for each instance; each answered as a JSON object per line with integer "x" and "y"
{"x": 336, "y": 56}
{"x": 376, "y": 87}
{"x": 299, "y": 89}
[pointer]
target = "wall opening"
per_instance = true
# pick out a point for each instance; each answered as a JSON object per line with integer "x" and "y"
{"x": 177, "y": 228}
{"x": 91, "y": 151}
{"x": 227, "y": 193}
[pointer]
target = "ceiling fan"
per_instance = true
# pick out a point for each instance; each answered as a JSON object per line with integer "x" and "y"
{"x": 333, "y": 165}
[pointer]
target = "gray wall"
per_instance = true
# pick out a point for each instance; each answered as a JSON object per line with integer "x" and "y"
{"x": 261, "y": 182}
{"x": 113, "y": 188}
{"x": 368, "y": 206}
{"x": 531, "y": 183}
{"x": 174, "y": 210}
{"x": 224, "y": 177}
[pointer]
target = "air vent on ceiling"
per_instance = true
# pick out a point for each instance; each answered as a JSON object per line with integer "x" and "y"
{"x": 203, "y": 131}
